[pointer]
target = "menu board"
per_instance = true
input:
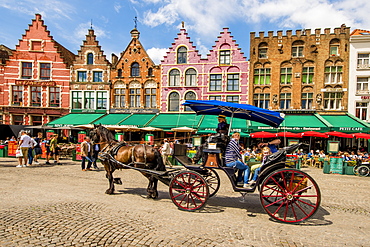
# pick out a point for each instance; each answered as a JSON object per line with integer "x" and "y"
{"x": 12, "y": 148}
{"x": 336, "y": 164}
{"x": 78, "y": 152}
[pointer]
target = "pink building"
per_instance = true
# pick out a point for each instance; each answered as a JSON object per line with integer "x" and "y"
{"x": 35, "y": 81}
{"x": 223, "y": 75}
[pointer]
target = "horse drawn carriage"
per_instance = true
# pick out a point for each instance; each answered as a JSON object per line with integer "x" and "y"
{"x": 288, "y": 195}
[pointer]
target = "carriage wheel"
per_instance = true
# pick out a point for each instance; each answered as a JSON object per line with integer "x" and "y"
{"x": 213, "y": 180}
{"x": 290, "y": 196}
{"x": 363, "y": 171}
{"x": 355, "y": 170}
{"x": 189, "y": 190}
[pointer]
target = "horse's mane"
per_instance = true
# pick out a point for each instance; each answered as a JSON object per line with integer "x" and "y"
{"x": 105, "y": 134}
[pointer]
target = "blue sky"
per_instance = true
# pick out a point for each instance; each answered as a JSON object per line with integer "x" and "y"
{"x": 159, "y": 20}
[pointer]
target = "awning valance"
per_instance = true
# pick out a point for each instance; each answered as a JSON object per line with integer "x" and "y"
{"x": 75, "y": 119}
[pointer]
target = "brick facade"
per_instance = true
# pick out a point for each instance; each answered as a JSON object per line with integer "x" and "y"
{"x": 223, "y": 75}
{"x": 90, "y": 78}
{"x": 135, "y": 80}
{"x": 306, "y": 71}
{"x": 36, "y": 78}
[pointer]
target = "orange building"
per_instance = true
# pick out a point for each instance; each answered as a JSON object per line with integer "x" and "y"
{"x": 135, "y": 80}
{"x": 35, "y": 85}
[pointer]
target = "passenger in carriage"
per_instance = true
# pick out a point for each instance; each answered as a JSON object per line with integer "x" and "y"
{"x": 233, "y": 159}
{"x": 272, "y": 145}
{"x": 255, "y": 169}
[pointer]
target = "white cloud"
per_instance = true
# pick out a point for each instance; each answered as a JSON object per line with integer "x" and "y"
{"x": 82, "y": 30}
{"x": 157, "y": 54}
{"x": 203, "y": 50}
{"x": 117, "y": 7}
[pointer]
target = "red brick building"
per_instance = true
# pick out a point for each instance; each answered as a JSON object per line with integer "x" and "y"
{"x": 35, "y": 85}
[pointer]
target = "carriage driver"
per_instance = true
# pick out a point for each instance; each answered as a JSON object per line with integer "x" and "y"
{"x": 234, "y": 159}
{"x": 223, "y": 126}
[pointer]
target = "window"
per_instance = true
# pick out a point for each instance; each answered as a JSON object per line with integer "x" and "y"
{"x": 262, "y": 50}
{"x": 232, "y": 99}
{"x": 173, "y": 102}
{"x": 190, "y": 77}
{"x": 101, "y": 100}
{"x": 261, "y": 100}
{"x": 119, "y": 73}
{"x": 307, "y": 99}
{"x": 363, "y": 61}
{"x": 17, "y": 119}
{"x": 333, "y": 101}
{"x": 189, "y": 96}
{"x": 215, "y": 82}
{"x": 35, "y": 96}
{"x": 36, "y": 120}
{"x": 297, "y": 48}
{"x": 225, "y": 57}
{"x": 90, "y": 58}
{"x": 17, "y": 95}
{"x": 81, "y": 76}
{"x": 307, "y": 75}
{"x": 119, "y": 97}
{"x": 215, "y": 97}
{"x": 334, "y": 47}
{"x": 36, "y": 45}
{"x": 233, "y": 82}
{"x": 150, "y": 72}
{"x": 182, "y": 54}
{"x": 135, "y": 70}
{"x": 361, "y": 110}
{"x": 89, "y": 100}
{"x": 362, "y": 85}
{"x": 54, "y": 95}
{"x": 174, "y": 78}
{"x": 26, "y": 70}
{"x": 286, "y": 75}
{"x": 285, "y": 100}
{"x": 44, "y": 71}
{"x": 76, "y": 100}
{"x": 262, "y": 76}
{"x": 150, "y": 97}
{"x": 333, "y": 74}
{"x": 134, "y": 97}
{"x": 97, "y": 76}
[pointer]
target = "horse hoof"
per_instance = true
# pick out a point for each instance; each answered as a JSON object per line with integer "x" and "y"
{"x": 109, "y": 192}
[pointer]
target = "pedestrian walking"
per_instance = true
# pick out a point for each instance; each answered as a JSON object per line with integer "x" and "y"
{"x": 86, "y": 154}
{"x": 23, "y": 146}
{"x": 96, "y": 150}
{"x": 165, "y": 152}
{"x": 55, "y": 149}
{"x": 37, "y": 148}
{"x": 31, "y": 151}
{"x": 48, "y": 152}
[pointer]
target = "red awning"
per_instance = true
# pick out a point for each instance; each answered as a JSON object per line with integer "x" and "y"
{"x": 339, "y": 134}
{"x": 289, "y": 134}
{"x": 262, "y": 134}
{"x": 314, "y": 134}
{"x": 362, "y": 135}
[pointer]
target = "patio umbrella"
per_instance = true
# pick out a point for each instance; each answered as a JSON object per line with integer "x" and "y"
{"x": 39, "y": 127}
{"x": 262, "y": 134}
{"x": 288, "y": 134}
{"x": 151, "y": 129}
{"x": 243, "y": 111}
{"x": 362, "y": 135}
{"x": 124, "y": 128}
{"x": 85, "y": 126}
{"x": 339, "y": 134}
{"x": 183, "y": 129}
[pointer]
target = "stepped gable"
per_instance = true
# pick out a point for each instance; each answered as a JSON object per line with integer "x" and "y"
{"x": 91, "y": 41}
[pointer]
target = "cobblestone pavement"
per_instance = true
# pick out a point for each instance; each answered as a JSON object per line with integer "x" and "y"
{"x": 63, "y": 206}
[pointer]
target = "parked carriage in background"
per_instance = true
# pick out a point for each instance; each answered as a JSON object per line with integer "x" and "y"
{"x": 286, "y": 194}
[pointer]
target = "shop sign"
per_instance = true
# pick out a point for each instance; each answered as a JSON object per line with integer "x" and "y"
{"x": 351, "y": 129}
{"x": 34, "y": 83}
{"x": 129, "y": 111}
{"x": 365, "y": 97}
{"x": 290, "y": 128}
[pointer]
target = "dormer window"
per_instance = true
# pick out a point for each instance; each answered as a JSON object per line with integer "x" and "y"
{"x": 225, "y": 57}
{"x": 90, "y": 58}
{"x": 182, "y": 54}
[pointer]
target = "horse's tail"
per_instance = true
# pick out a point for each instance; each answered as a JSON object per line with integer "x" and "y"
{"x": 159, "y": 161}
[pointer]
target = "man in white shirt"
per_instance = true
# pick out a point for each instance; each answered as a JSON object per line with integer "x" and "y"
{"x": 24, "y": 144}
{"x": 166, "y": 151}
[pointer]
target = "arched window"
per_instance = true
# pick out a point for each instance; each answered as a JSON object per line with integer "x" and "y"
{"x": 190, "y": 96}
{"x": 135, "y": 70}
{"x": 150, "y": 72}
{"x": 297, "y": 48}
{"x": 119, "y": 73}
{"x": 174, "y": 102}
{"x": 182, "y": 54}
{"x": 334, "y": 47}
{"x": 190, "y": 77}
{"x": 262, "y": 50}
{"x": 174, "y": 78}
{"x": 90, "y": 58}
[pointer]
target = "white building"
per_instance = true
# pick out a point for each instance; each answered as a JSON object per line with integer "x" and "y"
{"x": 359, "y": 75}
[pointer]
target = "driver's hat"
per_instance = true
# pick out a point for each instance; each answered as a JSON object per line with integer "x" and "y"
{"x": 221, "y": 116}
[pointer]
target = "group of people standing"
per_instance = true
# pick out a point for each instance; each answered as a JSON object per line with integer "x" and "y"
{"x": 89, "y": 153}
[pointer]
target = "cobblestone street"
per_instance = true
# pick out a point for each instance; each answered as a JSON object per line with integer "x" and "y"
{"x": 63, "y": 206}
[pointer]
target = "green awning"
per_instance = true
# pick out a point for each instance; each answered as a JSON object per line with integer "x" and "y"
{"x": 293, "y": 123}
{"x": 346, "y": 123}
{"x": 112, "y": 119}
{"x": 167, "y": 121}
{"x": 210, "y": 122}
{"x": 138, "y": 120}
{"x": 75, "y": 119}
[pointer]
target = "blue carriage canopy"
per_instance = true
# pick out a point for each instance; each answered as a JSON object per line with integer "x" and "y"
{"x": 243, "y": 111}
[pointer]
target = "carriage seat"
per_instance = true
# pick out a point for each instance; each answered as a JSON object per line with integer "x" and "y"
{"x": 180, "y": 154}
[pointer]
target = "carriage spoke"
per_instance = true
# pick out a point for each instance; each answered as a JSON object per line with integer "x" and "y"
{"x": 301, "y": 208}
{"x": 275, "y": 202}
{"x": 274, "y": 190}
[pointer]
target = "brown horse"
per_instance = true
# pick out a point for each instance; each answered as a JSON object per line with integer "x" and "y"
{"x": 138, "y": 156}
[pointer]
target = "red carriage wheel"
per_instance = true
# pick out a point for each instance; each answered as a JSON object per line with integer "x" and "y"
{"x": 189, "y": 190}
{"x": 290, "y": 196}
{"x": 213, "y": 180}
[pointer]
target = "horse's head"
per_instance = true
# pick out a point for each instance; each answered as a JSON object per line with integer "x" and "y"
{"x": 101, "y": 134}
